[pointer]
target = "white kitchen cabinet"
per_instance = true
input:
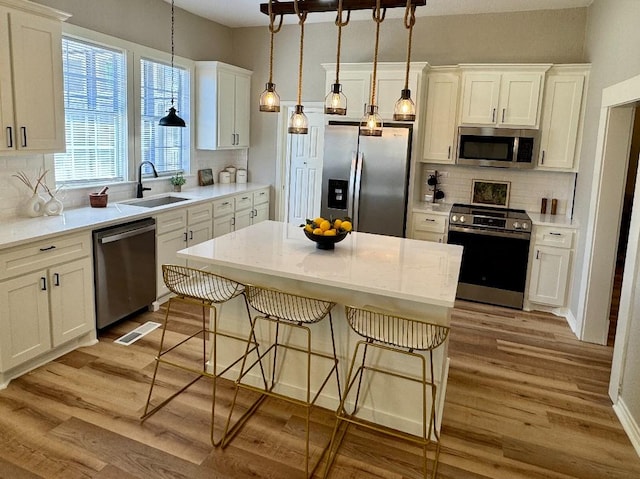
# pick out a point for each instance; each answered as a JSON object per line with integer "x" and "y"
{"x": 176, "y": 230}
{"x": 356, "y": 79}
{"x": 429, "y": 227}
{"x": 502, "y": 98}
{"x": 31, "y": 85}
{"x": 46, "y": 299}
{"x": 240, "y": 211}
{"x": 562, "y": 114}
{"x": 549, "y": 270}
{"x": 441, "y": 117}
{"x": 223, "y": 106}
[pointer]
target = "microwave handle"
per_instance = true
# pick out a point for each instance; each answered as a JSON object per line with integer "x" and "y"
{"x": 542, "y": 158}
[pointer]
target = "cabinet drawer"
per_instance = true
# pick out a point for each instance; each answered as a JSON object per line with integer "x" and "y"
{"x": 244, "y": 201}
{"x": 428, "y": 222}
{"x": 223, "y": 207}
{"x": 430, "y": 236}
{"x": 199, "y": 213}
{"x": 171, "y": 221}
{"x": 260, "y": 197}
{"x": 42, "y": 254}
{"x": 557, "y": 237}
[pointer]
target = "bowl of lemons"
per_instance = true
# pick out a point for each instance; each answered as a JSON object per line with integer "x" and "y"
{"x": 327, "y": 232}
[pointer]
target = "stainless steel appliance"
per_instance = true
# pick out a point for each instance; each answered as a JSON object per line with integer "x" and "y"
{"x": 500, "y": 147}
{"x": 496, "y": 253}
{"x": 124, "y": 269}
{"x": 366, "y": 177}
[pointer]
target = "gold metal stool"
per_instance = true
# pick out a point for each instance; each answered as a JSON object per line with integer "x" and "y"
{"x": 205, "y": 289}
{"x": 296, "y": 312}
{"x": 397, "y": 335}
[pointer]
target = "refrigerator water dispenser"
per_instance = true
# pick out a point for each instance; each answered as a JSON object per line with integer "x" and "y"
{"x": 338, "y": 194}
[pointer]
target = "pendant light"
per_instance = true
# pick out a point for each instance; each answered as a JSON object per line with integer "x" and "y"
{"x": 335, "y": 102}
{"x": 269, "y": 99}
{"x": 405, "y": 108}
{"x": 299, "y": 123}
{"x": 172, "y": 118}
{"x": 371, "y": 123}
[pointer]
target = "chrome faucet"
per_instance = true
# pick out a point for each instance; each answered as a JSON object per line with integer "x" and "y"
{"x": 140, "y": 189}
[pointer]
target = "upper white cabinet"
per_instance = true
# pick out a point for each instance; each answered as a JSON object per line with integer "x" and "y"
{"x": 440, "y": 116}
{"x": 562, "y": 114}
{"x": 502, "y": 97}
{"x": 223, "y": 106}
{"x": 356, "y": 80}
{"x": 31, "y": 85}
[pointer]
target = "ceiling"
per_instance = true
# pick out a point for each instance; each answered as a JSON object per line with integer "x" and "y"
{"x": 246, "y": 13}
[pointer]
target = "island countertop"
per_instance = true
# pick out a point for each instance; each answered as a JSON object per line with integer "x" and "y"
{"x": 397, "y": 268}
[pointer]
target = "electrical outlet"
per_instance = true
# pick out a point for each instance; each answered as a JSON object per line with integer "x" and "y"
{"x": 444, "y": 174}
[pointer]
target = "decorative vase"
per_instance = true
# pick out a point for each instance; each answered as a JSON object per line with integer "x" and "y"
{"x": 177, "y": 188}
{"x": 53, "y": 207}
{"x": 34, "y": 206}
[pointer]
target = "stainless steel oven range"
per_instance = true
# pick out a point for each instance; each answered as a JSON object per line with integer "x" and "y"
{"x": 496, "y": 253}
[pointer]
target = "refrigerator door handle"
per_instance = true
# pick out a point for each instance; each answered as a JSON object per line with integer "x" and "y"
{"x": 356, "y": 189}
{"x": 352, "y": 180}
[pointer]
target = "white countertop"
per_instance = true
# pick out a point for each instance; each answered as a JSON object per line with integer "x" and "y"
{"x": 19, "y": 230}
{"x": 435, "y": 208}
{"x": 400, "y": 268}
{"x": 552, "y": 220}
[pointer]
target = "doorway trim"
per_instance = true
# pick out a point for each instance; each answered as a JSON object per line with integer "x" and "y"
{"x": 282, "y": 170}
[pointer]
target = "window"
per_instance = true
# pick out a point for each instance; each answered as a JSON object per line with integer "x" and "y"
{"x": 166, "y": 147}
{"x": 95, "y": 102}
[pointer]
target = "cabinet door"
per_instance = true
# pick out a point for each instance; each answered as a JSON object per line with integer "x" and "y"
{"x": 519, "y": 97}
{"x": 560, "y": 121}
{"x": 223, "y": 225}
{"x": 198, "y": 233}
{"x": 479, "y": 98}
{"x": 226, "y": 109}
{"x": 242, "y": 111}
{"x": 36, "y": 45}
{"x": 549, "y": 275}
{"x": 389, "y": 85}
{"x": 355, "y": 86}
{"x": 72, "y": 304}
{"x": 260, "y": 213}
{"x": 440, "y": 117}
{"x": 24, "y": 319}
{"x": 426, "y": 236}
{"x": 243, "y": 219}
{"x": 166, "y": 247}
{"x": 7, "y": 136}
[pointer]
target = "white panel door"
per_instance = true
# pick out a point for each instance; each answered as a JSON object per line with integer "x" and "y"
{"x": 549, "y": 275}
{"x": 519, "y": 98}
{"x": 242, "y": 110}
{"x": 226, "y": 109}
{"x": 305, "y": 171}
{"x": 440, "y": 117}
{"x": 7, "y": 136}
{"x": 480, "y": 98}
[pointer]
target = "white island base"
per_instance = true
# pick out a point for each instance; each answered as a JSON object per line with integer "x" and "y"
{"x": 411, "y": 278}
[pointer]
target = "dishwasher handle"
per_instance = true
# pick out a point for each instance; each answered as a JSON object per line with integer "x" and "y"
{"x": 127, "y": 234}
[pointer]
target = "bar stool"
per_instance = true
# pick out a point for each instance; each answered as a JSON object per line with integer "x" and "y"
{"x": 397, "y": 335}
{"x": 205, "y": 289}
{"x": 295, "y": 312}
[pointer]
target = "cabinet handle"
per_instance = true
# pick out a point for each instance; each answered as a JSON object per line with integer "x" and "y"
{"x": 537, "y": 254}
{"x": 9, "y": 137}
{"x": 493, "y": 116}
{"x": 503, "y": 110}
{"x": 449, "y": 153}
{"x": 43, "y": 283}
{"x": 553, "y": 233}
{"x": 237, "y": 138}
{"x": 190, "y": 234}
{"x": 185, "y": 236}
{"x": 48, "y": 248}
{"x": 56, "y": 279}
{"x": 233, "y": 221}
{"x": 430, "y": 219}
{"x": 226, "y": 203}
{"x": 23, "y": 130}
{"x": 542, "y": 159}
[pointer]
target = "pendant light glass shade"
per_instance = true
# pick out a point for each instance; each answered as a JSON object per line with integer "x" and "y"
{"x": 371, "y": 123}
{"x": 172, "y": 118}
{"x": 298, "y": 123}
{"x": 270, "y": 100}
{"x": 405, "y": 108}
{"x": 335, "y": 102}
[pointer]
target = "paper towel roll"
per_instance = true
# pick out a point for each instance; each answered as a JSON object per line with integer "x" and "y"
{"x": 224, "y": 177}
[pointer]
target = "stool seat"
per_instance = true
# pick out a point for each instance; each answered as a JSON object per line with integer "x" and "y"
{"x": 287, "y": 307}
{"x": 200, "y": 285}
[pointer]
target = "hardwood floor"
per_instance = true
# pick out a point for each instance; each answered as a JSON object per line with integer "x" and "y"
{"x": 525, "y": 400}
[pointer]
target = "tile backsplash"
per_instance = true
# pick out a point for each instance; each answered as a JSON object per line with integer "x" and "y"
{"x": 13, "y": 193}
{"x": 528, "y": 187}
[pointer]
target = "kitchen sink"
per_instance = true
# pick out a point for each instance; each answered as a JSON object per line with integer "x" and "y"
{"x": 158, "y": 201}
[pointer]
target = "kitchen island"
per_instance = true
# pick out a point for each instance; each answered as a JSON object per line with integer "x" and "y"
{"x": 416, "y": 279}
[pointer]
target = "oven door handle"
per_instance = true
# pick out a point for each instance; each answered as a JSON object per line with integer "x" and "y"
{"x": 478, "y": 231}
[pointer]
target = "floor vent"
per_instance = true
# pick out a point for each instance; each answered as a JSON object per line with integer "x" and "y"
{"x": 137, "y": 333}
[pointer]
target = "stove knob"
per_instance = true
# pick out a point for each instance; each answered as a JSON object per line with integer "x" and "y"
{"x": 516, "y": 225}
{"x": 462, "y": 219}
{"x": 454, "y": 218}
{"x": 525, "y": 226}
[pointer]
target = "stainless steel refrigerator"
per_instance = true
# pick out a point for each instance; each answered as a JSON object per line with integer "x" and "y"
{"x": 366, "y": 177}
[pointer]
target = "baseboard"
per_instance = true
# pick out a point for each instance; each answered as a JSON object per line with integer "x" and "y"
{"x": 629, "y": 424}
{"x": 571, "y": 320}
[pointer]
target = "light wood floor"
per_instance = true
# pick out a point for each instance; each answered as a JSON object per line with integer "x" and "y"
{"x": 525, "y": 400}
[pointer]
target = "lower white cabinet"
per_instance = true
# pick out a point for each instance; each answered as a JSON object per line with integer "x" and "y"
{"x": 46, "y": 298}
{"x": 240, "y": 211}
{"x": 550, "y": 266}
{"x": 429, "y": 227}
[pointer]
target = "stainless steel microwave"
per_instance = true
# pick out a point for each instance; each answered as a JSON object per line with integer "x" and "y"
{"x": 498, "y": 147}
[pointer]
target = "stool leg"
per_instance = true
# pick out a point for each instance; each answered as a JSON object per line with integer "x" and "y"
{"x": 255, "y": 340}
{"x": 335, "y": 358}
{"x": 360, "y": 372}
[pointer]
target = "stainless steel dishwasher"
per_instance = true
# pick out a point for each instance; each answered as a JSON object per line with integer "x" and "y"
{"x": 124, "y": 269}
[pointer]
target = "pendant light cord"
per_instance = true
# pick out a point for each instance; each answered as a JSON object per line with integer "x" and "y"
{"x": 301, "y": 17}
{"x": 272, "y": 31}
{"x": 172, "y": 49}
{"x": 409, "y": 22}
{"x": 378, "y": 18}
{"x": 340, "y": 23}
